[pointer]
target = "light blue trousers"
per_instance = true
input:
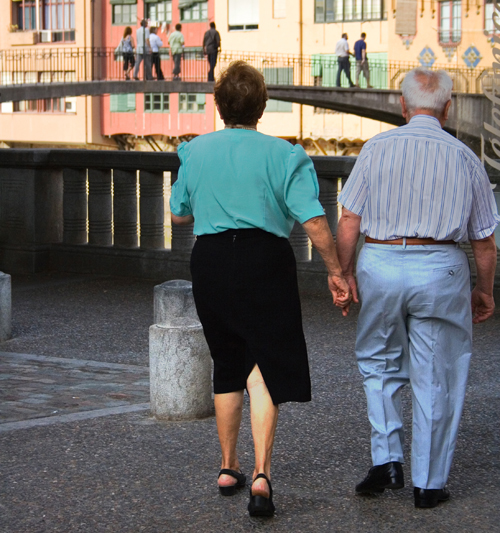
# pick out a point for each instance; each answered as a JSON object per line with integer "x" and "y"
{"x": 415, "y": 326}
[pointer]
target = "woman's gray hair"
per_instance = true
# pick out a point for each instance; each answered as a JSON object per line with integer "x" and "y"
{"x": 427, "y": 89}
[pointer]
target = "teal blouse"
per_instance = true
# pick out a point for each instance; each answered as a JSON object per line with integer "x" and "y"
{"x": 238, "y": 179}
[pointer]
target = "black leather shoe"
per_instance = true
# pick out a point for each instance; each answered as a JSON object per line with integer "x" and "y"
{"x": 381, "y": 477}
{"x": 428, "y": 498}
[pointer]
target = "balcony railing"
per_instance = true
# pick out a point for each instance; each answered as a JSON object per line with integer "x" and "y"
{"x": 106, "y": 212}
{"x": 73, "y": 64}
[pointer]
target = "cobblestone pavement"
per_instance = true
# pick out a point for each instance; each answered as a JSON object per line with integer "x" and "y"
{"x": 35, "y": 386}
{"x": 79, "y": 452}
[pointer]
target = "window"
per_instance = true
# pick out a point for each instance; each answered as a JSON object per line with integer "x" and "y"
{"x": 243, "y": 15}
{"x": 450, "y": 27}
{"x": 47, "y": 105}
{"x": 277, "y": 106}
{"x": 124, "y": 12}
{"x": 156, "y": 103}
{"x": 194, "y": 12}
{"x": 122, "y": 103}
{"x": 488, "y": 17}
{"x": 59, "y": 17}
{"x": 191, "y": 103}
{"x": 160, "y": 11}
{"x": 279, "y": 9}
{"x": 24, "y": 14}
{"x": 346, "y": 10}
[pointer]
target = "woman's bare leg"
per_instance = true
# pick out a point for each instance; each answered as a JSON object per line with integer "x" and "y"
{"x": 228, "y": 408}
{"x": 264, "y": 417}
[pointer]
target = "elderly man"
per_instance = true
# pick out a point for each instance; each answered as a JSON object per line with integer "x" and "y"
{"x": 415, "y": 193}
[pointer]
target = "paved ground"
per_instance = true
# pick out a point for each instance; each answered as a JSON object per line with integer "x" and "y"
{"x": 80, "y": 453}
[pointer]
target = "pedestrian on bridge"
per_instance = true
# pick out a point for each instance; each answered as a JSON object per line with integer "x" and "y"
{"x": 176, "y": 42}
{"x": 244, "y": 191}
{"x": 127, "y": 49}
{"x": 143, "y": 51}
{"x": 415, "y": 192}
{"x": 342, "y": 52}
{"x": 362, "y": 61}
{"x": 156, "y": 43}
{"x": 211, "y": 47}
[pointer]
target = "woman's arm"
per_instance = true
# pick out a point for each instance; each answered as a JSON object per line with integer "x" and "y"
{"x": 319, "y": 232}
{"x": 182, "y": 221}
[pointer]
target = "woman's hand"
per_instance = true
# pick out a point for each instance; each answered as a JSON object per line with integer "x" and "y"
{"x": 341, "y": 292}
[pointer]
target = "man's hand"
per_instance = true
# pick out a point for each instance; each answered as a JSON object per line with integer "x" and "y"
{"x": 341, "y": 293}
{"x": 351, "y": 281}
{"x": 482, "y": 305}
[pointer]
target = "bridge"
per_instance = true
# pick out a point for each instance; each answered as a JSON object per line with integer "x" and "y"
{"x": 465, "y": 120}
{"x": 305, "y": 80}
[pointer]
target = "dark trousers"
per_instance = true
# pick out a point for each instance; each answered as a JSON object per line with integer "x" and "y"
{"x": 177, "y": 64}
{"x": 345, "y": 66}
{"x": 157, "y": 66}
{"x": 212, "y": 61}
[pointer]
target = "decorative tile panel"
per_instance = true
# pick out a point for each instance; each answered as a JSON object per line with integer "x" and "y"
{"x": 472, "y": 56}
{"x": 427, "y": 57}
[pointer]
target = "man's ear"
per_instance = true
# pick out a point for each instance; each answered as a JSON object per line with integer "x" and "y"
{"x": 446, "y": 110}
{"x": 404, "y": 110}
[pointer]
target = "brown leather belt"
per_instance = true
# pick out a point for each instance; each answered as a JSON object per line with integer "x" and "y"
{"x": 409, "y": 241}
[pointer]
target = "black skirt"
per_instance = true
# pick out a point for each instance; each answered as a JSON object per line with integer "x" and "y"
{"x": 246, "y": 294}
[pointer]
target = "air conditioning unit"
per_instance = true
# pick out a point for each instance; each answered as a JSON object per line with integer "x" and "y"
{"x": 70, "y": 104}
{"x": 46, "y": 36}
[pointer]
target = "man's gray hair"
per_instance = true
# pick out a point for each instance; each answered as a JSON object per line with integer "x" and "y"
{"x": 427, "y": 89}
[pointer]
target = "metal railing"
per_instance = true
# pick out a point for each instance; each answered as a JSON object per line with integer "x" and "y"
{"x": 72, "y": 64}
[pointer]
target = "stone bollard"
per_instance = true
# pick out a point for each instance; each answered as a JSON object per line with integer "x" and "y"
{"x": 5, "y": 307}
{"x": 180, "y": 370}
{"x": 180, "y": 365}
{"x": 174, "y": 299}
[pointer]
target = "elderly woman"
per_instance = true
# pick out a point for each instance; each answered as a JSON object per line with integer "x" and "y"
{"x": 244, "y": 191}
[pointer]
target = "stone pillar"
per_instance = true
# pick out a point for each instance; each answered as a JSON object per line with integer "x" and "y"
{"x": 328, "y": 197}
{"x": 300, "y": 243}
{"x": 182, "y": 236}
{"x": 151, "y": 210}
{"x": 75, "y": 206}
{"x": 179, "y": 359}
{"x": 125, "y": 208}
{"x": 180, "y": 370}
{"x": 5, "y": 307}
{"x": 100, "y": 207}
{"x": 173, "y": 299}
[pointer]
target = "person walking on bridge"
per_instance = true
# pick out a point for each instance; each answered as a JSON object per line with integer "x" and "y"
{"x": 343, "y": 53}
{"x": 416, "y": 192}
{"x": 156, "y": 43}
{"x": 362, "y": 61}
{"x": 176, "y": 42}
{"x": 211, "y": 47}
{"x": 143, "y": 51}
{"x": 244, "y": 191}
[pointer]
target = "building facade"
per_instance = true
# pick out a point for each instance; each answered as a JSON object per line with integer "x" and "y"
{"x": 283, "y": 38}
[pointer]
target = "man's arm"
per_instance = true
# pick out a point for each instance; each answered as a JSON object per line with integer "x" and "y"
{"x": 182, "y": 221}
{"x": 319, "y": 232}
{"x": 485, "y": 257}
{"x": 347, "y": 239}
{"x": 363, "y": 55}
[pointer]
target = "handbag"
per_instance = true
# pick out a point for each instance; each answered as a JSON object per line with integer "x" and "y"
{"x": 119, "y": 49}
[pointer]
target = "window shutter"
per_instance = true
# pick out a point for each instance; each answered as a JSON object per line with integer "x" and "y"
{"x": 406, "y": 17}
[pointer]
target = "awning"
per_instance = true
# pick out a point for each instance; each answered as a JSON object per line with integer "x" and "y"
{"x": 188, "y": 3}
{"x": 122, "y": 2}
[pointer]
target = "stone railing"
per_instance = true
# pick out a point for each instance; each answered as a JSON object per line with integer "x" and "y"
{"x": 103, "y": 212}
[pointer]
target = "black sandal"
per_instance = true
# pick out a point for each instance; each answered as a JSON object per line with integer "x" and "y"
{"x": 241, "y": 480}
{"x": 260, "y": 505}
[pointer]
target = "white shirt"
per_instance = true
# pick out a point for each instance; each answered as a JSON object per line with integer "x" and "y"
{"x": 155, "y": 42}
{"x": 342, "y": 48}
{"x": 140, "y": 40}
{"x": 419, "y": 181}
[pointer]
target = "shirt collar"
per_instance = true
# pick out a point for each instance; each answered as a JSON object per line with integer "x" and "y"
{"x": 431, "y": 121}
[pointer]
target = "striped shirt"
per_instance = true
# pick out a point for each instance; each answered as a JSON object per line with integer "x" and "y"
{"x": 419, "y": 181}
